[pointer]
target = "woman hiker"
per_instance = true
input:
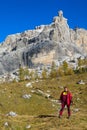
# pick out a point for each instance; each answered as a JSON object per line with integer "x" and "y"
{"x": 66, "y": 100}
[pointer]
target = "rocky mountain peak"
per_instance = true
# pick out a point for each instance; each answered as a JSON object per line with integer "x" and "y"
{"x": 61, "y": 28}
{"x": 59, "y": 18}
{"x": 42, "y": 45}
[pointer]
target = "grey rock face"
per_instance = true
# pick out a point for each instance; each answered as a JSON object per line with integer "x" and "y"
{"x": 44, "y": 44}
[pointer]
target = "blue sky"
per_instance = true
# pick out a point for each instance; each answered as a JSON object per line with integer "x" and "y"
{"x": 20, "y": 15}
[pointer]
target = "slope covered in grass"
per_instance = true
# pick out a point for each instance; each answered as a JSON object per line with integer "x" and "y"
{"x": 40, "y": 112}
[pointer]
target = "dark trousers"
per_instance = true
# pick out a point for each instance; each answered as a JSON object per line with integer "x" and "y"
{"x": 62, "y": 109}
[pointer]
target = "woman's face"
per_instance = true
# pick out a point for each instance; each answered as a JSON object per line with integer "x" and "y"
{"x": 65, "y": 89}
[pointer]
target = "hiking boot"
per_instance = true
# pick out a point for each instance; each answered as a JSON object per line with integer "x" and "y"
{"x": 68, "y": 117}
{"x": 59, "y": 116}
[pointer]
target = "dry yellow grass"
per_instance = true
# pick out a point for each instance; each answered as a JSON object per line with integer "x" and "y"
{"x": 39, "y": 112}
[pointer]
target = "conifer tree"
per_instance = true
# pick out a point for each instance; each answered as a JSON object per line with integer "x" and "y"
{"x": 26, "y": 73}
{"x": 60, "y": 71}
{"x": 44, "y": 73}
{"x": 65, "y": 67}
{"x": 53, "y": 72}
{"x": 21, "y": 73}
{"x": 36, "y": 75}
{"x": 80, "y": 62}
{"x": 70, "y": 71}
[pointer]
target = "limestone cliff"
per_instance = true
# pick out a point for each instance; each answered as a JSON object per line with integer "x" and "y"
{"x": 46, "y": 43}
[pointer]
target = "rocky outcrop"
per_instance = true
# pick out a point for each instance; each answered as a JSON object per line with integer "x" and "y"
{"x": 44, "y": 44}
{"x": 79, "y": 36}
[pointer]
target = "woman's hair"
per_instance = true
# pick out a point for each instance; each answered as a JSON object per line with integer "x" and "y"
{"x": 65, "y": 87}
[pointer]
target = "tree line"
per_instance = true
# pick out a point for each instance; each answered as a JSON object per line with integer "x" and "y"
{"x": 63, "y": 70}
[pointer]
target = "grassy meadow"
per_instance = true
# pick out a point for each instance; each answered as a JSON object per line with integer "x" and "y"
{"x": 40, "y": 112}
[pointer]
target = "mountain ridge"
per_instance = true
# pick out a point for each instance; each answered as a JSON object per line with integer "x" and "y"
{"x": 46, "y": 43}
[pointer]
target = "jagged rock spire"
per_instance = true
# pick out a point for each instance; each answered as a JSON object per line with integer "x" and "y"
{"x": 60, "y": 13}
{"x": 58, "y": 18}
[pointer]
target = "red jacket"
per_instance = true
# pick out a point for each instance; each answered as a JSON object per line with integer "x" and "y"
{"x": 66, "y": 97}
